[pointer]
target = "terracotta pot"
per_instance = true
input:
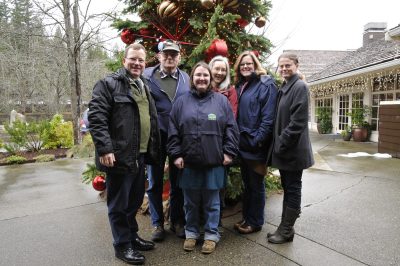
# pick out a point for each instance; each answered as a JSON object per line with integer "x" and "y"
{"x": 360, "y": 134}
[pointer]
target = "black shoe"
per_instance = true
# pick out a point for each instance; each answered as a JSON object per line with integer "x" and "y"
{"x": 142, "y": 245}
{"x": 179, "y": 230}
{"x": 158, "y": 234}
{"x": 130, "y": 256}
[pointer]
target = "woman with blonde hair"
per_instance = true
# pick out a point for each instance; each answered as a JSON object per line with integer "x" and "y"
{"x": 256, "y": 110}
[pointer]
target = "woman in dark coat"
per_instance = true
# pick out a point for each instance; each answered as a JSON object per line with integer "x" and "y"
{"x": 291, "y": 150}
{"x": 202, "y": 139}
{"x": 256, "y": 110}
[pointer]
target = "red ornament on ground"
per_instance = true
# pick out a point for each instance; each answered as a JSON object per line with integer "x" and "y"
{"x": 99, "y": 183}
{"x": 127, "y": 36}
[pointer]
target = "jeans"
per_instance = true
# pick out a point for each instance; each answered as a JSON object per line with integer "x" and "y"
{"x": 155, "y": 174}
{"x": 208, "y": 200}
{"x": 253, "y": 195}
{"x": 292, "y": 184}
{"x": 125, "y": 194}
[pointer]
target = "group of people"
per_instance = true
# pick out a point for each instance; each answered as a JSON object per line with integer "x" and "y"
{"x": 145, "y": 117}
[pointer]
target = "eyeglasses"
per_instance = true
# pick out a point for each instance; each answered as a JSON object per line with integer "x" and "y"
{"x": 245, "y": 64}
{"x": 134, "y": 60}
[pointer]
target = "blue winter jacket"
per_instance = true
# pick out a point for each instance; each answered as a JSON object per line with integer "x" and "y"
{"x": 256, "y": 112}
{"x": 161, "y": 98}
{"x": 204, "y": 131}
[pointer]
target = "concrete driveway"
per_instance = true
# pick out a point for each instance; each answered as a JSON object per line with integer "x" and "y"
{"x": 349, "y": 217}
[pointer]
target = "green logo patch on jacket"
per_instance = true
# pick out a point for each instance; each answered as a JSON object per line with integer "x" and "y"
{"x": 212, "y": 117}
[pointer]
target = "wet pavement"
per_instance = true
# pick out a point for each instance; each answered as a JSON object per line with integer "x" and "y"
{"x": 350, "y": 216}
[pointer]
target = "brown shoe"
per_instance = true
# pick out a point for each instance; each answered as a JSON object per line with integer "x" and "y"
{"x": 238, "y": 224}
{"x": 189, "y": 244}
{"x": 248, "y": 229}
{"x": 208, "y": 247}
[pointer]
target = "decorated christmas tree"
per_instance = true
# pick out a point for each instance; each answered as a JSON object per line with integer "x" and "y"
{"x": 204, "y": 28}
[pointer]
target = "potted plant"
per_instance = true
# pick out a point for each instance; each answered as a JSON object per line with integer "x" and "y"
{"x": 346, "y": 133}
{"x": 358, "y": 114}
{"x": 324, "y": 119}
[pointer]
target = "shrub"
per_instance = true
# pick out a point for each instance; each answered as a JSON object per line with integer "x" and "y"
{"x": 234, "y": 184}
{"x": 59, "y": 133}
{"x": 15, "y": 159}
{"x": 83, "y": 150}
{"x": 23, "y": 135}
{"x": 44, "y": 158}
{"x": 18, "y": 132}
{"x": 1, "y": 143}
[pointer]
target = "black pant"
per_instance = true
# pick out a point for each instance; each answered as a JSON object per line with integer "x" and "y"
{"x": 291, "y": 183}
{"x": 125, "y": 194}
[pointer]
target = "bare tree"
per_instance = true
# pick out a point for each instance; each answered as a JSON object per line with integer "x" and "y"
{"x": 79, "y": 27}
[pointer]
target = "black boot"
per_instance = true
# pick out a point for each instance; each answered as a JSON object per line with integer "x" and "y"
{"x": 282, "y": 217}
{"x": 286, "y": 232}
{"x": 129, "y": 255}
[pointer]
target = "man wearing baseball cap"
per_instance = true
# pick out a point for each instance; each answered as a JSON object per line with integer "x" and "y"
{"x": 167, "y": 82}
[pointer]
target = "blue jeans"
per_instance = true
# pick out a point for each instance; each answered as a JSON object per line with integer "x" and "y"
{"x": 124, "y": 197}
{"x": 209, "y": 201}
{"x": 253, "y": 195}
{"x": 155, "y": 175}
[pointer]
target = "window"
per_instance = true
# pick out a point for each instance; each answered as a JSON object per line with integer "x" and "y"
{"x": 322, "y": 102}
{"x": 386, "y": 88}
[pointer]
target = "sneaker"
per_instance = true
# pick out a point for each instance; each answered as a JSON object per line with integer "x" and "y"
{"x": 208, "y": 247}
{"x": 158, "y": 234}
{"x": 189, "y": 244}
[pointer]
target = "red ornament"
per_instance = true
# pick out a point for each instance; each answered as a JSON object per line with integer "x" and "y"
{"x": 144, "y": 32}
{"x": 127, "y": 36}
{"x": 242, "y": 22}
{"x": 99, "y": 183}
{"x": 256, "y": 53}
{"x": 217, "y": 47}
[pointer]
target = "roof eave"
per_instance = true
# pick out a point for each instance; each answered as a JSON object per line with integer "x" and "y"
{"x": 375, "y": 67}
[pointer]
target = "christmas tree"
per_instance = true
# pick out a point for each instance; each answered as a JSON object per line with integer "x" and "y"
{"x": 204, "y": 28}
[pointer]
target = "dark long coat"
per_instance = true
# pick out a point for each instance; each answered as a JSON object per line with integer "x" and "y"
{"x": 291, "y": 149}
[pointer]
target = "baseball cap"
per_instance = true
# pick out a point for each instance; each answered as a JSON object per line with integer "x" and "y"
{"x": 169, "y": 45}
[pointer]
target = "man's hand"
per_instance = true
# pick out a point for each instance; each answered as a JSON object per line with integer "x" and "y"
{"x": 107, "y": 159}
{"x": 227, "y": 159}
{"x": 179, "y": 163}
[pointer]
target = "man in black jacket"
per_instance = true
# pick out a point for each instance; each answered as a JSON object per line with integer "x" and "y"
{"x": 123, "y": 124}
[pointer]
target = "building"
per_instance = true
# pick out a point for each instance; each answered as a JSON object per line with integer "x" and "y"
{"x": 365, "y": 76}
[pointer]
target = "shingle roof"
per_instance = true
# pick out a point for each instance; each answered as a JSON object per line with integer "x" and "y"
{"x": 376, "y": 52}
{"x": 314, "y": 61}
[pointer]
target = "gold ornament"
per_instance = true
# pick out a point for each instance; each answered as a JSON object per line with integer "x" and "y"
{"x": 231, "y": 4}
{"x": 228, "y": 3}
{"x": 260, "y": 22}
{"x": 168, "y": 9}
{"x": 207, "y": 3}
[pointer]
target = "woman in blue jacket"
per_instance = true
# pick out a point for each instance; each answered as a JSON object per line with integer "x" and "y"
{"x": 202, "y": 139}
{"x": 256, "y": 110}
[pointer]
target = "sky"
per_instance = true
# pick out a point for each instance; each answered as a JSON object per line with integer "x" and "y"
{"x": 316, "y": 24}
{"x": 325, "y": 25}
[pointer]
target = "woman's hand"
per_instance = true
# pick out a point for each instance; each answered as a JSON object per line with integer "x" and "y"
{"x": 179, "y": 163}
{"x": 227, "y": 159}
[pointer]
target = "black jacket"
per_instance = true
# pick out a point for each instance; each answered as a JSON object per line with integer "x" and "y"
{"x": 291, "y": 149}
{"x": 114, "y": 123}
{"x": 202, "y": 129}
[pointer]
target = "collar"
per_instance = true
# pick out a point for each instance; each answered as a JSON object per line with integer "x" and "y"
{"x": 164, "y": 74}
{"x": 288, "y": 84}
